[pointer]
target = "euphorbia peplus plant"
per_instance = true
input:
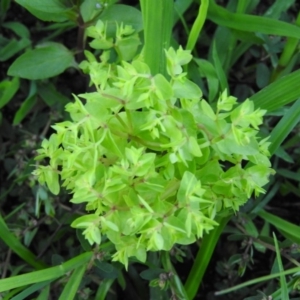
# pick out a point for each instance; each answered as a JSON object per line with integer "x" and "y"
{"x": 153, "y": 161}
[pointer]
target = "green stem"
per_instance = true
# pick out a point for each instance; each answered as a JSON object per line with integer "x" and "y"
{"x": 175, "y": 281}
{"x": 203, "y": 258}
{"x": 197, "y": 26}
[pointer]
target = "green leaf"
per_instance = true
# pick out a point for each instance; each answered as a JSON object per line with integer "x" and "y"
{"x": 85, "y": 221}
{"x": 32, "y": 289}
{"x": 46, "y": 61}
{"x": 8, "y": 88}
{"x": 46, "y": 274}
{"x": 208, "y": 71}
{"x": 282, "y": 225}
{"x": 278, "y": 93}
{"x": 283, "y": 283}
{"x": 18, "y": 28}
{"x": 51, "y": 96}
{"x": 119, "y": 13}
{"x": 251, "y": 23}
{"x": 285, "y": 126}
{"x": 26, "y": 106}
{"x": 13, "y": 47}
{"x": 186, "y": 89}
{"x": 51, "y": 178}
{"x": 17, "y": 247}
{"x": 219, "y": 68}
{"x": 157, "y": 19}
{"x": 71, "y": 289}
{"x": 262, "y": 75}
{"x": 50, "y": 10}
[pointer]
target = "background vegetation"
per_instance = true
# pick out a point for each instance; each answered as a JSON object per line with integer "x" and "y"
{"x": 250, "y": 48}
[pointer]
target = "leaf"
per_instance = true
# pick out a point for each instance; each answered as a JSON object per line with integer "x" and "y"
{"x": 13, "y": 47}
{"x": 18, "y": 28}
{"x": 85, "y": 221}
{"x": 250, "y": 23}
{"x": 284, "y": 127}
{"x": 186, "y": 89}
{"x": 120, "y": 13}
{"x": 50, "y": 10}
{"x": 283, "y": 283}
{"x": 8, "y": 90}
{"x": 17, "y": 247}
{"x": 207, "y": 70}
{"x": 262, "y": 75}
{"x": 44, "y": 62}
{"x": 26, "y": 106}
{"x": 72, "y": 287}
{"x": 219, "y": 69}
{"x": 51, "y": 96}
{"x": 51, "y": 178}
{"x": 282, "y": 225}
{"x": 278, "y": 93}
{"x": 46, "y": 274}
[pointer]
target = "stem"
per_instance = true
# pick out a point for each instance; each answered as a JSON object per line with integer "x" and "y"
{"x": 176, "y": 284}
{"x": 203, "y": 257}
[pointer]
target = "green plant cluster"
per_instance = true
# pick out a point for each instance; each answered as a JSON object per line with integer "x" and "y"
{"x": 153, "y": 162}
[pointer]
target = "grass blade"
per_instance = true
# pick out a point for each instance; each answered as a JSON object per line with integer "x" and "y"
{"x": 283, "y": 284}
{"x": 278, "y": 93}
{"x": 44, "y": 275}
{"x": 284, "y": 226}
{"x": 197, "y": 26}
{"x": 285, "y": 126}
{"x": 257, "y": 280}
{"x": 104, "y": 288}
{"x": 30, "y": 290}
{"x": 17, "y": 247}
{"x": 71, "y": 288}
{"x": 250, "y": 23}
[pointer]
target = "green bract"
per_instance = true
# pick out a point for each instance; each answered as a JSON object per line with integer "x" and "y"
{"x": 153, "y": 162}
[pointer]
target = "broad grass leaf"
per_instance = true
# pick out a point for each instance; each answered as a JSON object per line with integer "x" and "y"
{"x": 41, "y": 63}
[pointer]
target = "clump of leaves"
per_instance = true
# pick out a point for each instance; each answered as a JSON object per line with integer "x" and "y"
{"x": 153, "y": 162}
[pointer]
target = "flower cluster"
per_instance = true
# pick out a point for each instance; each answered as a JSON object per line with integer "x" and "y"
{"x": 153, "y": 161}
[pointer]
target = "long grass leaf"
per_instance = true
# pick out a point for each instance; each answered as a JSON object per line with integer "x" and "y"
{"x": 250, "y": 23}
{"x": 257, "y": 280}
{"x": 282, "y": 225}
{"x": 104, "y": 288}
{"x": 71, "y": 288}
{"x": 283, "y": 283}
{"x": 197, "y": 26}
{"x": 30, "y": 290}
{"x": 285, "y": 126}
{"x": 44, "y": 275}
{"x": 17, "y": 247}
{"x": 278, "y": 93}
